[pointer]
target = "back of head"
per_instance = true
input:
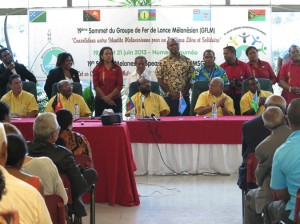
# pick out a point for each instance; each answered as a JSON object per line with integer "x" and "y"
{"x": 293, "y": 114}
{"x": 64, "y": 118}
{"x": 44, "y": 125}
{"x": 11, "y": 129}
{"x": 273, "y": 117}
{"x": 277, "y": 101}
{"x": 3, "y": 142}
{"x": 4, "y": 111}
{"x": 16, "y": 150}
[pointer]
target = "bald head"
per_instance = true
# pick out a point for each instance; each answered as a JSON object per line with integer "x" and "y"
{"x": 277, "y": 101}
{"x": 273, "y": 117}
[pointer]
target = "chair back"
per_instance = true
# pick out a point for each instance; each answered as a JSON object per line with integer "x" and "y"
{"x": 197, "y": 89}
{"x": 77, "y": 88}
{"x": 251, "y": 167}
{"x": 56, "y": 208}
{"x": 265, "y": 84}
{"x": 133, "y": 88}
{"x": 28, "y": 86}
{"x": 67, "y": 184}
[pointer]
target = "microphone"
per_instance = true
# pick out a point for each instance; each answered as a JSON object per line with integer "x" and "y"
{"x": 143, "y": 106}
{"x": 153, "y": 117}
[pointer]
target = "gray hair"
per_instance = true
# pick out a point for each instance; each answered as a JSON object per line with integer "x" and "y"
{"x": 61, "y": 83}
{"x": 220, "y": 80}
{"x": 276, "y": 101}
{"x": 273, "y": 117}
{"x": 44, "y": 125}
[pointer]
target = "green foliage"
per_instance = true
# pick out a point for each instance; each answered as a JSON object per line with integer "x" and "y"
{"x": 131, "y": 3}
{"x": 42, "y": 99}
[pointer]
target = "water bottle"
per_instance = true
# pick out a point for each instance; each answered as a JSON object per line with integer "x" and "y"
{"x": 214, "y": 110}
{"x": 132, "y": 114}
{"x": 76, "y": 111}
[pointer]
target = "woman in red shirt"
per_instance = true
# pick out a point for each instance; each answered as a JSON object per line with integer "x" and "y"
{"x": 259, "y": 68}
{"x": 108, "y": 83}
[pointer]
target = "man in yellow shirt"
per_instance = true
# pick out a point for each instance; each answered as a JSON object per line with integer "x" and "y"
{"x": 245, "y": 103}
{"x": 147, "y": 103}
{"x": 214, "y": 94}
{"x": 21, "y": 103}
{"x": 67, "y": 99}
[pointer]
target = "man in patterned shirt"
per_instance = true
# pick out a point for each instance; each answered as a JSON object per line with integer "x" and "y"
{"x": 174, "y": 73}
{"x": 209, "y": 69}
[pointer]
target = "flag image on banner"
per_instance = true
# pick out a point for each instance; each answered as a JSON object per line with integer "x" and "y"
{"x": 254, "y": 102}
{"x": 91, "y": 15}
{"x": 146, "y": 14}
{"x": 201, "y": 15}
{"x": 37, "y": 16}
{"x": 256, "y": 15}
{"x": 182, "y": 104}
{"x": 129, "y": 104}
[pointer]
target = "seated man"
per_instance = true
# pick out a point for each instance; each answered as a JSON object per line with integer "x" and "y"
{"x": 9, "y": 67}
{"x": 20, "y": 195}
{"x": 21, "y": 103}
{"x": 140, "y": 63}
{"x": 214, "y": 94}
{"x": 209, "y": 69}
{"x": 67, "y": 99}
{"x": 285, "y": 178}
{"x": 248, "y": 107}
{"x": 46, "y": 131}
{"x": 153, "y": 103}
{"x": 257, "y": 199}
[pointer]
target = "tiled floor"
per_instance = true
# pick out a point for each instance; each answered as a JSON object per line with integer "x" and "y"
{"x": 178, "y": 199}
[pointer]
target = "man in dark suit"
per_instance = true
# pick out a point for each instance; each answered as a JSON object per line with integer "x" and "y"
{"x": 9, "y": 67}
{"x": 254, "y": 132}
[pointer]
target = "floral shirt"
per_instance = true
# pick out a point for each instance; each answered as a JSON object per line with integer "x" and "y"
{"x": 175, "y": 73}
{"x": 203, "y": 74}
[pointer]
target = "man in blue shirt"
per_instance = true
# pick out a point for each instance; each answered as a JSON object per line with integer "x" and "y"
{"x": 209, "y": 69}
{"x": 285, "y": 177}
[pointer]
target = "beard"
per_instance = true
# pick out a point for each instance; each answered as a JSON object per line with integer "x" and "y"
{"x": 145, "y": 91}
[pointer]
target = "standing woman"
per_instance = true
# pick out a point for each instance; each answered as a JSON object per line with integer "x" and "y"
{"x": 259, "y": 68}
{"x": 62, "y": 71}
{"x": 108, "y": 83}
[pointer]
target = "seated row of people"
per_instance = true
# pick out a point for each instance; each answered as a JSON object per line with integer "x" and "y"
{"x": 277, "y": 171}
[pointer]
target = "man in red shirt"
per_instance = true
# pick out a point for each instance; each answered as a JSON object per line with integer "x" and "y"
{"x": 289, "y": 75}
{"x": 237, "y": 71}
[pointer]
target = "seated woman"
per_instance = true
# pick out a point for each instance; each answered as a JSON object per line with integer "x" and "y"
{"x": 16, "y": 151}
{"x": 75, "y": 142}
{"x": 62, "y": 71}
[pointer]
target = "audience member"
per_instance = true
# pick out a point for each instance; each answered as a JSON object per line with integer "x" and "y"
{"x": 174, "y": 73}
{"x": 257, "y": 199}
{"x": 46, "y": 131}
{"x": 209, "y": 70}
{"x": 153, "y": 103}
{"x": 259, "y": 68}
{"x": 285, "y": 177}
{"x": 67, "y": 99}
{"x": 249, "y": 105}
{"x": 16, "y": 151}
{"x": 43, "y": 167}
{"x": 140, "y": 63}
{"x": 9, "y": 67}
{"x": 214, "y": 94}
{"x": 108, "y": 83}
{"x": 74, "y": 141}
{"x": 4, "y": 112}
{"x": 8, "y": 216}
{"x": 21, "y": 103}
{"x": 253, "y": 133}
{"x": 288, "y": 77}
{"x": 63, "y": 71}
{"x": 237, "y": 71}
{"x": 20, "y": 195}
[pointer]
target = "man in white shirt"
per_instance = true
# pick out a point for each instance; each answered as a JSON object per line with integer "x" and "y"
{"x": 140, "y": 63}
{"x": 20, "y": 195}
